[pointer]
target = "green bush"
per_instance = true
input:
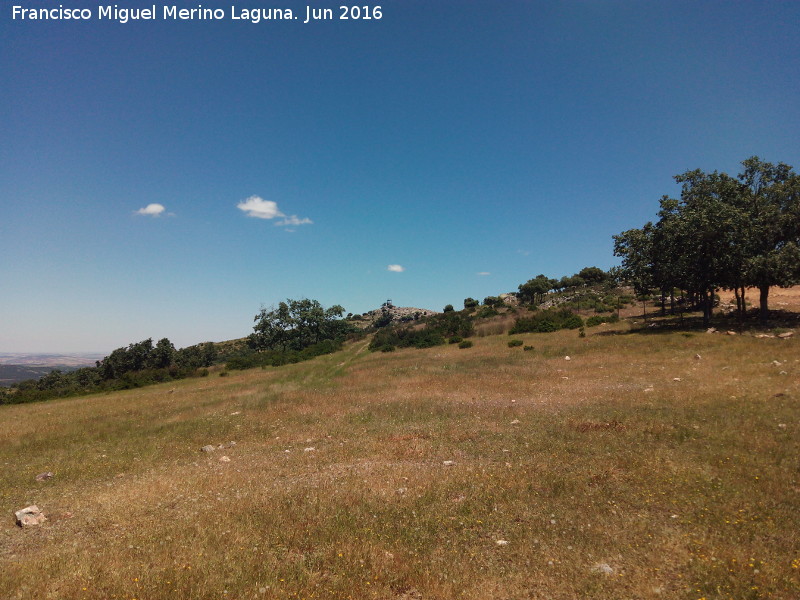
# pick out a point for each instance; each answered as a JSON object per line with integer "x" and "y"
{"x": 528, "y": 348}
{"x": 596, "y": 320}
{"x": 455, "y": 340}
{"x": 515, "y": 343}
{"x": 465, "y": 344}
{"x": 546, "y": 321}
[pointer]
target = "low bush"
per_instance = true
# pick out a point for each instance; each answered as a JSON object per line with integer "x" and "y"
{"x": 546, "y": 321}
{"x": 515, "y": 343}
{"x": 465, "y": 344}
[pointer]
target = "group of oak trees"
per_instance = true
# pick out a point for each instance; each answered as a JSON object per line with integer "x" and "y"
{"x": 723, "y": 232}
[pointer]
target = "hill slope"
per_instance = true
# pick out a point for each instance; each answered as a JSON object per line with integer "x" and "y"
{"x": 634, "y": 469}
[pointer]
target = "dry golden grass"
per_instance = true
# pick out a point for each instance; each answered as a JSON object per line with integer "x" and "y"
{"x": 607, "y": 477}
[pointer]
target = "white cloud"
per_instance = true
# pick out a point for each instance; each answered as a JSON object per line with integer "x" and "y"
{"x": 484, "y": 273}
{"x": 294, "y": 220}
{"x": 260, "y": 208}
{"x": 395, "y": 268}
{"x": 152, "y": 210}
{"x": 257, "y": 207}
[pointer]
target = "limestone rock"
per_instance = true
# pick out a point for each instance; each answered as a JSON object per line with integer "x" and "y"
{"x": 44, "y": 476}
{"x": 603, "y": 568}
{"x": 208, "y": 448}
{"x": 711, "y": 330}
{"x": 786, "y": 335}
{"x": 30, "y": 516}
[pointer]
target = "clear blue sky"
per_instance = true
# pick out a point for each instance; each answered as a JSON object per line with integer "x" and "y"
{"x": 473, "y": 143}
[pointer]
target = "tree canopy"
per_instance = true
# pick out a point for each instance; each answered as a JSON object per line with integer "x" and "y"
{"x": 722, "y": 233}
{"x": 297, "y": 324}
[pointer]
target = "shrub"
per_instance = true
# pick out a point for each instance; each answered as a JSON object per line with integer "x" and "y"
{"x": 223, "y": 374}
{"x": 547, "y": 321}
{"x": 465, "y": 344}
{"x": 528, "y": 348}
{"x": 595, "y": 320}
{"x": 455, "y": 340}
{"x": 515, "y": 343}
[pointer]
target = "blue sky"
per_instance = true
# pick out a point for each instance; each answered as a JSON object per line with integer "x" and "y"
{"x": 475, "y": 144}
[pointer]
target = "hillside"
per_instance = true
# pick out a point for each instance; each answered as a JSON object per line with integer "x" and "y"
{"x": 660, "y": 464}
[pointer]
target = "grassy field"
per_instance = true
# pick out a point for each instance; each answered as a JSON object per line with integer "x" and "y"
{"x": 633, "y": 470}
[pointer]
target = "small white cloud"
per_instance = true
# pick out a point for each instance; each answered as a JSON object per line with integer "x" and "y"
{"x": 395, "y": 268}
{"x": 259, "y": 208}
{"x": 152, "y": 210}
{"x": 294, "y": 220}
{"x": 484, "y": 273}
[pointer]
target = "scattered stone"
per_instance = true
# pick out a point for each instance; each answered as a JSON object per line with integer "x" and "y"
{"x": 567, "y": 358}
{"x": 782, "y": 425}
{"x": 764, "y": 335}
{"x": 502, "y": 542}
{"x": 224, "y": 459}
{"x": 309, "y": 449}
{"x": 516, "y": 422}
{"x": 402, "y": 490}
{"x": 226, "y": 445}
{"x": 777, "y": 363}
{"x": 448, "y": 463}
{"x": 30, "y": 516}
{"x": 208, "y": 448}
{"x": 238, "y": 412}
{"x": 603, "y": 568}
{"x": 697, "y": 357}
{"x": 676, "y": 379}
{"x": 786, "y": 335}
{"x": 711, "y": 330}
{"x": 646, "y": 390}
{"x": 731, "y": 333}
{"x": 44, "y": 476}
{"x": 783, "y": 373}
{"x": 172, "y": 391}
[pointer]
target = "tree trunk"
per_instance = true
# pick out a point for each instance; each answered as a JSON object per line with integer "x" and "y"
{"x": 644, "y": 311}
{"x": 663, "y": 303}
{"x": 763, "y": 312}
{"x": 707, "y": 300}
{"x": 672, "y": 301}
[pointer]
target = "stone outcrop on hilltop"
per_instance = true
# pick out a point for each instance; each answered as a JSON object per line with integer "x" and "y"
{"x": 400, "y": 314}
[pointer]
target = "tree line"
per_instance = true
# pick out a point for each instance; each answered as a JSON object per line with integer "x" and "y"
{"x": 723, "y": 232}
{"x": 138, "y": 364}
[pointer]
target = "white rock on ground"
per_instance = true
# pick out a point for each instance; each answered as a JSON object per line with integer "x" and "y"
{"x": 30, "y": 516}
{"x": 604, "y": 568}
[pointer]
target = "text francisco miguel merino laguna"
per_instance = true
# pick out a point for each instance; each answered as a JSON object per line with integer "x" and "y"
{"x": 200, "y": 13}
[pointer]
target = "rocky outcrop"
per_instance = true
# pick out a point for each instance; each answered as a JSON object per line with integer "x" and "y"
{"x": 30, "y": 516}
